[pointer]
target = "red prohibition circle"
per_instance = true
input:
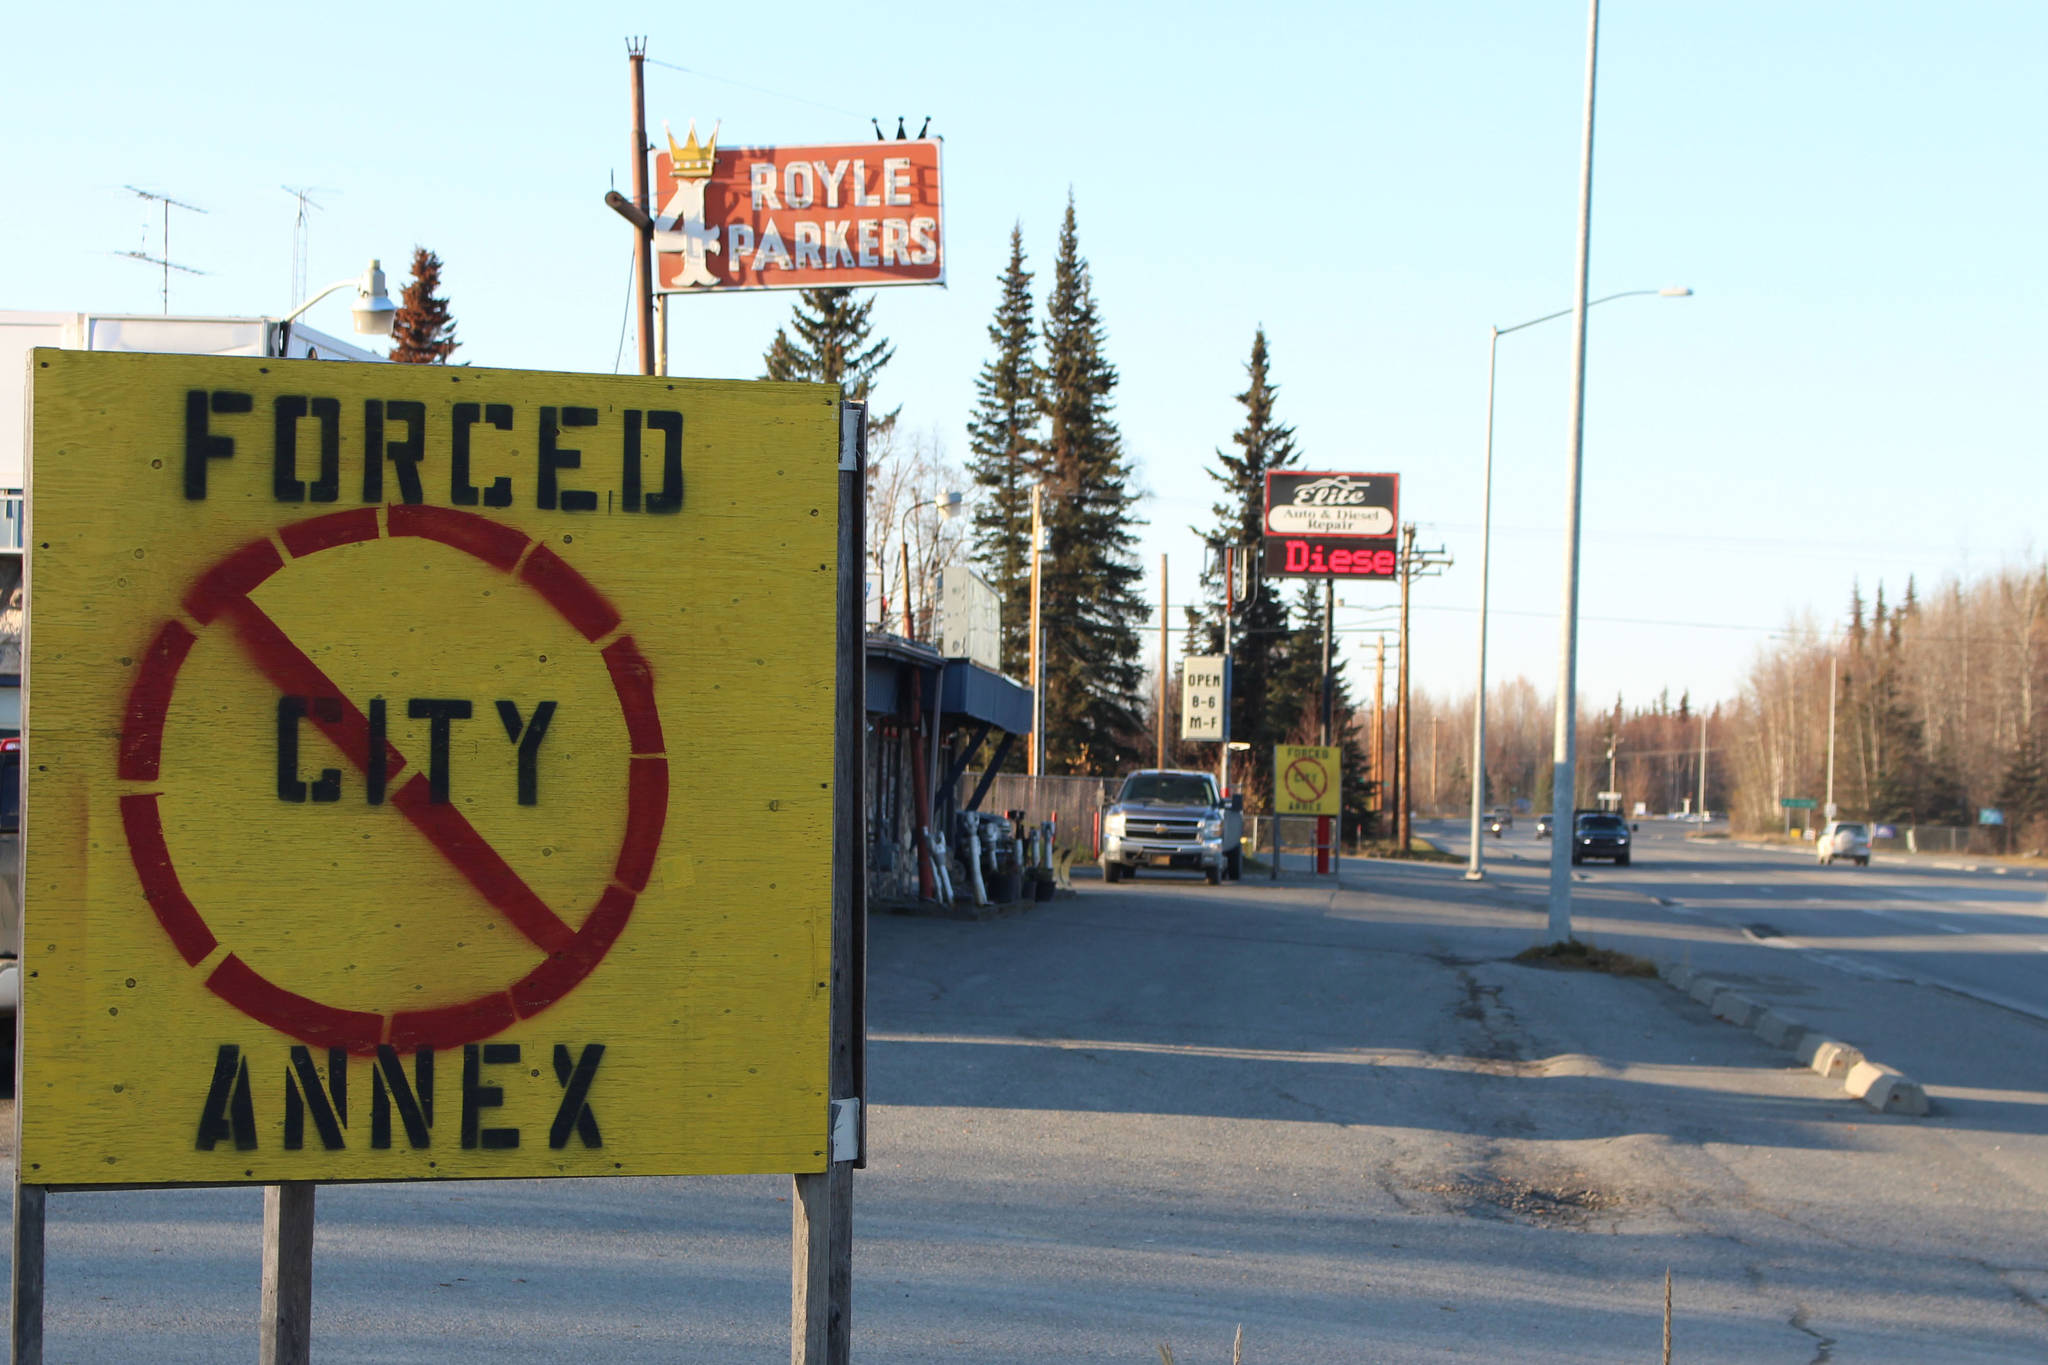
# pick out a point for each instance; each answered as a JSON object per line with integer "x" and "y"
{"x": 1309, "y": 772}
{"x": 222, "y": 594}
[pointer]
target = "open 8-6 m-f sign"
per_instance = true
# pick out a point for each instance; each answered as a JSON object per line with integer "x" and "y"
{"x": 404, "y": 741}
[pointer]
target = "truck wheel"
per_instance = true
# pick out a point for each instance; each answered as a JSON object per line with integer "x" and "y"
{"x": 1111, "y": 873}
{"x": 1576, "y": 859}
{"x": 1863, "y": 862}
{"x": 1214, "y": 874}
{"x": 1622, "y": 861}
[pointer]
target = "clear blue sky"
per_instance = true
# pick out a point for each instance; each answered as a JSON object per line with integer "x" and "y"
{"x": 1855, "y": 191}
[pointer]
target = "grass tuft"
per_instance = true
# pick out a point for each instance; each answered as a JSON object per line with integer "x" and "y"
{"x": 1574, "y": 955}
{"x": 1419, "y": 850}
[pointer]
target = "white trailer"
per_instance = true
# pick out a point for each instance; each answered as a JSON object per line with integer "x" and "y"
{"x": 20, "y": 333}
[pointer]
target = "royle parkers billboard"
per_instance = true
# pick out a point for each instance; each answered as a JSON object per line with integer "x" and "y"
{"x": 1330, "y": 525}
{"x": 405, "y": 740}
{"x": 857, "y": 214}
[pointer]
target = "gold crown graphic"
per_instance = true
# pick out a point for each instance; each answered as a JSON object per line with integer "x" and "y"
{"x": 692, "y": 161}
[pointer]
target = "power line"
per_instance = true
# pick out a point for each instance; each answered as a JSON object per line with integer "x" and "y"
{"x": 757, "y": 89}
{"x": 1620, "y": 620}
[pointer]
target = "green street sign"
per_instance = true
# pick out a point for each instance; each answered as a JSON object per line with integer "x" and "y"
{"x": 1797, "y": 802}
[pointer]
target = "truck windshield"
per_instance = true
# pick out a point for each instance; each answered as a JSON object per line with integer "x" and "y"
{"x": 1168, "y": 789}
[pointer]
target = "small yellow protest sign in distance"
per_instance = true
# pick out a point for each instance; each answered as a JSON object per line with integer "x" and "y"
{"x": 430, "y": 773}
{"x": 1305, "y": 780}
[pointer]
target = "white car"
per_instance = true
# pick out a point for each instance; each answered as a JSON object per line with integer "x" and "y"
{"x": 1844, "y": 839}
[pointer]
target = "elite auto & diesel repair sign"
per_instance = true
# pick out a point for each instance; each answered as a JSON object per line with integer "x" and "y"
{"x": 407, "y": 747}
{"x": 1331, "y": 525}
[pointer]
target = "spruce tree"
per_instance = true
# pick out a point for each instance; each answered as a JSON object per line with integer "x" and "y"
{"x": 834, "y": 344}
{"x": 1089, "y": 573}
{"x": 422, "y": 332}
{"x": 2023, "y": 792}
{"x": 1262, "y": 710}
{"x": 1001, "y": 438}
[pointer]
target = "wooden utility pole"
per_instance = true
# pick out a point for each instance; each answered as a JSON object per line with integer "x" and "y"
{"x": 643, "y": 239}
{"x": 1160, "y": 761}
{"x": 1378, "y": 740}
{"x": 1402, "y": 824}
{"x": 1413, "y": 564}
{"x": 1037, "y": 746}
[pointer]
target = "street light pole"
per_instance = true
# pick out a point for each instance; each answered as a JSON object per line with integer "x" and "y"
{"x": 1475, "y": 869}
{"x": 1564, "y": 739}
{"x": 1703, "y": 770}
{"x": 373, "y": 309}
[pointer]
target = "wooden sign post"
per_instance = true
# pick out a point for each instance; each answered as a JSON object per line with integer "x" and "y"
{"x": 402, "y": 738}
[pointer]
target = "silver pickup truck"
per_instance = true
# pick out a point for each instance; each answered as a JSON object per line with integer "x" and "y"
{"x": 1170, "y": 819}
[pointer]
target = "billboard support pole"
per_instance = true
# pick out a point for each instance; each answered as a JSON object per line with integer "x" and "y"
{"x": 28, "y": 1272}
{"x": 821, "y": 1209}
{"x": 643, "y": 228}
{"x": 285, "y": 1330}
{"x": 1329, "y": 686}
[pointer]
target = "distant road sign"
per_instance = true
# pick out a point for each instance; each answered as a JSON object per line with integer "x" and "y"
{"x": 1202, "y": 696}
{"x": 359, "y": 846}
{"x": 1797, "y": 802}
{"x": 1306, "y": 780}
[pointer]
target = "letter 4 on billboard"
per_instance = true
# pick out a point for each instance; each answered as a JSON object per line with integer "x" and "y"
{"x": 1329, "y": 525}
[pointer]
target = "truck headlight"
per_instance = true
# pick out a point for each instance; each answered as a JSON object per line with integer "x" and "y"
{"x": 1113, "y": 825}
{"x": 1212, "y": 828}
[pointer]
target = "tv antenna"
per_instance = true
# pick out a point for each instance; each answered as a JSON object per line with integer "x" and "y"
{"x": 164, "y": 260}
{"x": 301, "y": 226}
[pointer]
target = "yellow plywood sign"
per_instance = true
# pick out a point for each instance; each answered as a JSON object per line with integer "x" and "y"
{"x": 429, "y": 773}
{"x": 1305, "y": 780}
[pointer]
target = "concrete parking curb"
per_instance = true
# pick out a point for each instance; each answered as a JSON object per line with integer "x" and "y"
{"x": 1883, "y": 1088}
{"x": 1737, "y": 1008}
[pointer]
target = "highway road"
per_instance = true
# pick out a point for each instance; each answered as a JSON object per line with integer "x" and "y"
{"x": 1894, "y": 953}
{"x": 1339, "y": 1114}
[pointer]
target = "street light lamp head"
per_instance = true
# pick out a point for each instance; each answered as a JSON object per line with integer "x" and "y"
{"x": 1674, "y": 291}
{"x": 374, "y": 311}
{"x": 952, "y": 503}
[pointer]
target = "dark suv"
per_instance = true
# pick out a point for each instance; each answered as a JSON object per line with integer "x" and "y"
{"x": 1600, "y": 834}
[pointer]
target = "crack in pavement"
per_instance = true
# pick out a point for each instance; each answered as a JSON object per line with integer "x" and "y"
{"x": 1825, "y": 1350}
